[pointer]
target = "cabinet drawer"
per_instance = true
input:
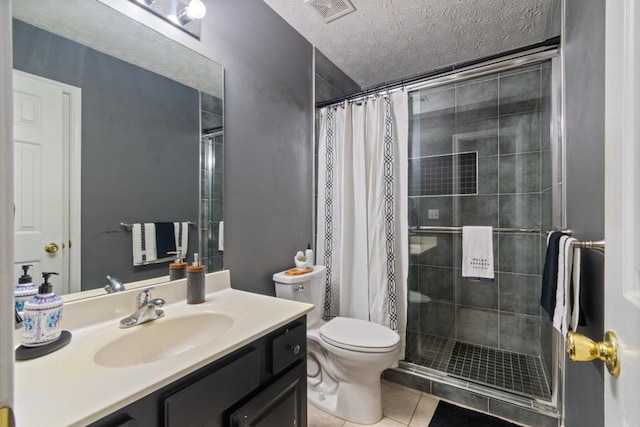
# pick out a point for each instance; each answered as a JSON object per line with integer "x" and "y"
{"x": 282, "y": 404}
{"x": 203, "y": 402}
{"x": 288, "y": 347}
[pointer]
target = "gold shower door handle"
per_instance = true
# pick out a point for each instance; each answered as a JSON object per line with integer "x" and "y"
{"x": 51, "y": 248}
{"x": 583, "y": 349}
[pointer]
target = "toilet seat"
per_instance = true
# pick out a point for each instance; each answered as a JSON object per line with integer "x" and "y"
{"x": 359, "y": 335}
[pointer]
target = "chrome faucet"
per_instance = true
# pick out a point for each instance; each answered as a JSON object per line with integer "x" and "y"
{"x": 114, "y": 285}
{"x": 147, "y": 309}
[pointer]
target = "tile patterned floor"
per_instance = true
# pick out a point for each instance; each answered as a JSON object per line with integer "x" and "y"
{"x": 401, "y": 407}
{"x": 513, "y": 372}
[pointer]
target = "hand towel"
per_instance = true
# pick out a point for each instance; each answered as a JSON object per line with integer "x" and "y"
{"x": 181, "y": 232}
{"x": 565, "y": 266}
{"x": 221, "y": 236}
{"x": 165, "y": 239}
{"x": 550, "y": 273}
{"x": 143, "y": 237}
{"x": 575, "y": 310}
{"x": 477, "y": 253}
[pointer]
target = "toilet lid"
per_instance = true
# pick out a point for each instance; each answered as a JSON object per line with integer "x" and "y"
{"x": 359, "y": 335}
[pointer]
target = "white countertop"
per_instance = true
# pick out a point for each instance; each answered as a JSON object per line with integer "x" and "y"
{"x": 68, "y": 388}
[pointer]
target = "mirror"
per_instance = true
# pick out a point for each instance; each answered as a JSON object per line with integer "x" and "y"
{"x": 140, "y": 125}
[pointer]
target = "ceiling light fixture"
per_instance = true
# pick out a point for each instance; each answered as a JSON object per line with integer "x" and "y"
{"x": 195, "y": 10}
{"x": 184, "y": 14}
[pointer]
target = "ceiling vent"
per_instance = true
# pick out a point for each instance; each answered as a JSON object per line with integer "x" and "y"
{"x": 331, "y": 9}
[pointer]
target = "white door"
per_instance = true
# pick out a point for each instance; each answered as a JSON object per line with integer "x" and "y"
{"x": 6, "y": 219}
{"x": 622, "y": 208}
{"x": 42, "y": 133}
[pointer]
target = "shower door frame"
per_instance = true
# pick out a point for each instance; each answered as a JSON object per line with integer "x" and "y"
{"x": 554, "y": 406}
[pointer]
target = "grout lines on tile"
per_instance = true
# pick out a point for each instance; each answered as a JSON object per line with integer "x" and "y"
{"x": 514, "y": 372}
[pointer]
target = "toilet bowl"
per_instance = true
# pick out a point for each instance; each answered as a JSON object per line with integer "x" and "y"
{"x": 345, "y": 357}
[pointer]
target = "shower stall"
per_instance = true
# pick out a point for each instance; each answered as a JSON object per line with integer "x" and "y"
{"x": 484, "y": 150}
{"x": 212, "y": 200}
{"x": 211, "y": 182}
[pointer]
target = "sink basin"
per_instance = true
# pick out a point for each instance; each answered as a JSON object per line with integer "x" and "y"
{"x": 161, "y": 339}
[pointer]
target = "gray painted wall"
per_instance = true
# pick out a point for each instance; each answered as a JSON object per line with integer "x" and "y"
{"x": 553, "y": 23}
{"x": 584, "y": 88}
{"x": 138, "y": 129}
{"x": 268, "y": 138}
{"x": 331, "y": 82}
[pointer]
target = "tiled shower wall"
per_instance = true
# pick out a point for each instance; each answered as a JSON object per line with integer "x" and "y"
{"x": 504, "y": 119}
{"x": 212, "y": 182}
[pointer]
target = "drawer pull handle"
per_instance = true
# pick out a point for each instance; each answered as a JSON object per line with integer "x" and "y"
{"x": 295, "y": 348}
{"x": 300, "y": 288}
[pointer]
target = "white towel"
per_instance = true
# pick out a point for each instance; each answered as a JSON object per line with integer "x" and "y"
{"x": 575, "y": 313}
{"x": 181, "y": 230}
{"x": 562, "y": 312}
{"x": 221, "y": 236}
{"x": 144, "y": 243}
{"x": 477, "y": 252}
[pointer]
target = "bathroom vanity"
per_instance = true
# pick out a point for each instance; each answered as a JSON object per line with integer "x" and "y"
{"x": 263, "y": 383}
{"x": 238, "y": 359}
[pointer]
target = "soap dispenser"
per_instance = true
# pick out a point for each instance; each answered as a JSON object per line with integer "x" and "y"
{"x": 195, "y": 282}
{"x": 308, "y": 253}
{"x": 42, "y": 316}
{"x": 25, "y": 289}
{"x": 177, "y": 269}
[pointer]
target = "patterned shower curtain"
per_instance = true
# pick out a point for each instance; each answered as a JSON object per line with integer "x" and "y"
{"x": 362, "y": 220}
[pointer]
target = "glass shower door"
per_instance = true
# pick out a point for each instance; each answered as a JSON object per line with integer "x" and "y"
{"x": 211, "y": 212}
{"x": 479, "y": 154}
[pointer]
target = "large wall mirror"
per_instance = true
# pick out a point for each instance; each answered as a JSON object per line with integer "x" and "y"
{"x": 113, "y": 123}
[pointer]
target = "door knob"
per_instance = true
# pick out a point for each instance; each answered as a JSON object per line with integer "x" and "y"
{"x": 6, "y": 417}
{"x": 51, "y": 247}
{"x": 582, "y": 349}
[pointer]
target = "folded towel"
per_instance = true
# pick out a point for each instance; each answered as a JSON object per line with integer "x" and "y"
{"x": 576, "y": 318}
{"x": 221, "y": 236}
{"x": 550, "y": 273}
{"x": 562, "y": 311}
{"x": 181, "y": 231}
{"x": 143, "y": 237}
{"x": 165, "y": 239}
{"x": 151, "y": 241}
{"x": 477, "y": 253}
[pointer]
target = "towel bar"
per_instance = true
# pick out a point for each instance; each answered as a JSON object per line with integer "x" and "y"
{"x": 127, "y": 226}
{"x": 434, "y": 229}
{"x": 597, "y": 245}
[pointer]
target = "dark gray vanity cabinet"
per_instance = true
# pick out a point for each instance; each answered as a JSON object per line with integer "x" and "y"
{"x": 262, "y": 384}
{"x": 282, "y": 404}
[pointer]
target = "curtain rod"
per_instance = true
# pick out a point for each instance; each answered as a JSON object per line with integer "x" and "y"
{"x": 548, "y": 44}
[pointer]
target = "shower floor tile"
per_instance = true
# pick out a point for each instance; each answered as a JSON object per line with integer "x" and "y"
{"x": 513, "y": 372}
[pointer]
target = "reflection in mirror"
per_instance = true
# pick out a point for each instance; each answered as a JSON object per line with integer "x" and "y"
{"x": 114, "y": 122}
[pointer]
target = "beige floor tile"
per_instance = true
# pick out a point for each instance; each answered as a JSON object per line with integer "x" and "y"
{"x": 386, "y": 383}
{"x": 424, "y": 411}
{"x": 399, "y": 403}
{"x": 385, "y": 422}
{"x": 319, "y": 418}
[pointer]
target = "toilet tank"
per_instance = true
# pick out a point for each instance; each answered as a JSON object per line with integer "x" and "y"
{"x": 308, "y": 287}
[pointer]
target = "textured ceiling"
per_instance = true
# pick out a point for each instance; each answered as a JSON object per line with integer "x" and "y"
{"x": 108, "y": 31}
{"x": 384, "y": 40}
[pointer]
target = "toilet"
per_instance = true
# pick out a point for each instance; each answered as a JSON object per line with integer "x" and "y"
{"x": 345, "y": 357}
